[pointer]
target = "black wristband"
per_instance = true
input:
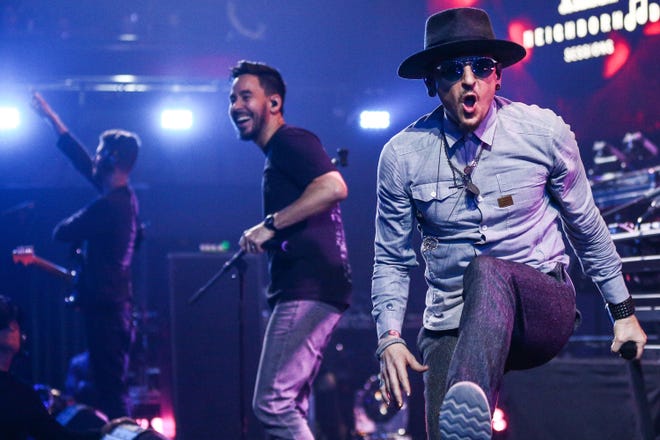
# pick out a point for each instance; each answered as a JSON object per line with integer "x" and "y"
{"x": 623, "y": 309}
{"x": 269, "y": 222}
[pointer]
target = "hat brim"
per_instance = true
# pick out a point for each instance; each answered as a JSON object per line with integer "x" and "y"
{"x": 419, "y": 65}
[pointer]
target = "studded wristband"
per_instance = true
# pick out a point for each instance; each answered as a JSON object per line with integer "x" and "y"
{"x": 622, "y": 310}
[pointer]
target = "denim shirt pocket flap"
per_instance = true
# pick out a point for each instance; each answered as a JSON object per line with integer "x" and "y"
{"x": 521, "y": 178}
{"x": 427, "y": 192}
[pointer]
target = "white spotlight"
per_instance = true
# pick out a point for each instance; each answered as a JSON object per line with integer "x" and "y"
{"x": 176, "y": 119}
{"x": 10, "y": 118}
{"x": 374, "y": 120}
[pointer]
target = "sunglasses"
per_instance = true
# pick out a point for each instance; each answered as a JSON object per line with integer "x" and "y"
{"x": 452, "y": 70}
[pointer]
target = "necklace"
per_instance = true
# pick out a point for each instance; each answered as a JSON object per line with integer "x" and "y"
{"x": 466, "y": 174}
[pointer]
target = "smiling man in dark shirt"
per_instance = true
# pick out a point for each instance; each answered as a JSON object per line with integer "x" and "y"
{"x": 310, "y": 281}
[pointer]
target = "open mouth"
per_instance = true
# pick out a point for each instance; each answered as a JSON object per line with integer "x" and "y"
{"x": 242, "y": 120}
{"x": 469, "y": 102}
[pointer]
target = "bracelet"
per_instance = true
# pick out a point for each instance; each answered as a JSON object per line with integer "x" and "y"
{"x": 623, "y": 309}
{"x": 384, "y": 343}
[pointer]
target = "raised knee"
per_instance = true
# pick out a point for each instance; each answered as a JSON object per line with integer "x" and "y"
{"x": 481, "y": 264}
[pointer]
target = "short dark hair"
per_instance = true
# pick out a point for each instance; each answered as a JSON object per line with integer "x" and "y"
{"x": 9, "y": 312}
{"x": 269, "y": 77}
{"x": 123, "y": 146}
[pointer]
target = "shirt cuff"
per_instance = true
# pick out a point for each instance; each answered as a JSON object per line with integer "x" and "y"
{"x": 613, "y": 290}
{"x": 387, "y": 322}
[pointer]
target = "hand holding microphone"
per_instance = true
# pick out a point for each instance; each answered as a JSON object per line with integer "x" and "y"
{"x": 628, "y": 350}
{"x": 253, "y": 239}
{"x": 261, "y": 237}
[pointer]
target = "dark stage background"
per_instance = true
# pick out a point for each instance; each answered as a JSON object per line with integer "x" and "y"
{"x": 203, "y": 186}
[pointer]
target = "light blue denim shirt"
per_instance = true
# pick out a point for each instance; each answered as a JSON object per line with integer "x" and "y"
{"x": 532, "y": 187}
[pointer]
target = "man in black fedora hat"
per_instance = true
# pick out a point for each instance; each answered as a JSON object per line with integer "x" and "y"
{"x": 493, "y": 185}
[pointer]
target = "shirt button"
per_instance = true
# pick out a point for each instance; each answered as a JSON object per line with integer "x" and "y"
{"x": 484, "y": 227}
{"x": 389, "y": 307}
{"x": 480, "y": 198}
{"x": 432, "y": 193}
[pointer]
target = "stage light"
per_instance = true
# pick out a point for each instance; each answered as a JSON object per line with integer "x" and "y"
{"x": 374, "y": 120}
{"x": 126, "y": 79}
{"x": 499, "y": 421}
{"x": 176, "y": 119}
{"x": 142, "y": 423}
{"x": 374, "y": 418}
{"x": 155, "y": 423}
{"x": 10, "y": 118}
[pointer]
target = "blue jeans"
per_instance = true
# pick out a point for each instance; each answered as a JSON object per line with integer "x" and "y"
{"x": 296, "y": 336}
{"x": 514, "y": 317}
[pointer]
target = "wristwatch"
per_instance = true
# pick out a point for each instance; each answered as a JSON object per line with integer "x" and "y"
{"x": 269, "y": 222}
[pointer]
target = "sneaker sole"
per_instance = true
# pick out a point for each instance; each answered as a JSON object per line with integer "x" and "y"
{"x": 465, "y": 414}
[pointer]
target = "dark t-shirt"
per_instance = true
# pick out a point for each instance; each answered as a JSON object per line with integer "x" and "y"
{"x": 107, "y": 227}
{"x": 315, "y": 263}
{"x": 22, "y": 414}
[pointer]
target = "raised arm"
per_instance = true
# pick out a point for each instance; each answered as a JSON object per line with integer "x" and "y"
{"x": 42, "y": 108}
{"x": 75, "y": 151}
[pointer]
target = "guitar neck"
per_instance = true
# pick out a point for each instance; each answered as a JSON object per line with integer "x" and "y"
{"x": 53, "y": 268}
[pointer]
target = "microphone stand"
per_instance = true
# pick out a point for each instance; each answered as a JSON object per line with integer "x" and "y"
{"x": 235, "y": 260}
{"x": 646, "y": 196}
{"x": 645, "y": 422}
{"x": 241, "y": 267}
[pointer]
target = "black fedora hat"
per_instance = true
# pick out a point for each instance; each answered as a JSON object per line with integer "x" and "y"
{"x": 458, "y": 32}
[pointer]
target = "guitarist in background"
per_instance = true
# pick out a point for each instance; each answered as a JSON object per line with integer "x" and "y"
{"x": 107, "y": 228}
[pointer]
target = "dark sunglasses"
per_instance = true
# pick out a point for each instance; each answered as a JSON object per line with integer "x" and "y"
{"x": 452, "y": 70}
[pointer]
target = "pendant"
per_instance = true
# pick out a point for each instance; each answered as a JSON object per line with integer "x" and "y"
{"x": 472, "y": 188}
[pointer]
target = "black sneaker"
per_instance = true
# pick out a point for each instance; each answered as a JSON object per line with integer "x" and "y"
{"x": 465, "y": 414}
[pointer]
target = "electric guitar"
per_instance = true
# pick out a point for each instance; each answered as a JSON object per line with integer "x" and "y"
{"x": 26, "y": 256}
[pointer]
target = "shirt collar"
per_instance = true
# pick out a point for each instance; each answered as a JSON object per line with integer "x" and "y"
{"x": 485, "y": 133}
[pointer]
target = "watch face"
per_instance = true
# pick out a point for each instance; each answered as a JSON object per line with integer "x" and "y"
{"x": 269, "y": 222}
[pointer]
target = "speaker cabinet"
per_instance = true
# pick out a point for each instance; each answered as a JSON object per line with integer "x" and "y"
{"x": 216, "y": 342}
{"x": 589, "y": 399}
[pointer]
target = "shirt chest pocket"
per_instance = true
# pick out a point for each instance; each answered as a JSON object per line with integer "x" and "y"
{"x": 430, "y": 199}
{"x": 522, "y": 188}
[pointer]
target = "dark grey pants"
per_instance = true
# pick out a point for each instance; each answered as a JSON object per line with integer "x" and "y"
{"x": 514, "y": 317}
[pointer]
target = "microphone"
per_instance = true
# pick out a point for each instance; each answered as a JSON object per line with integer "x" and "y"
{"x": 276, "y": 245}
{"x": 628, "y": 350}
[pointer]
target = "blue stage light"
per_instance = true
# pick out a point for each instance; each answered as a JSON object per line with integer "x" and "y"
{"x": 176, "y": 119}
{"x": 374, "y": 120}
{"x": 10, "y": 118}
